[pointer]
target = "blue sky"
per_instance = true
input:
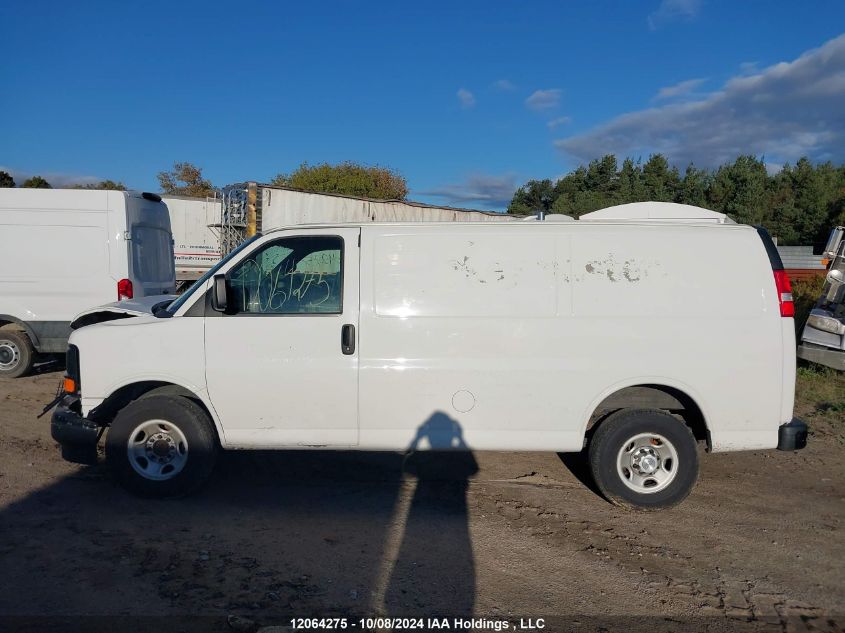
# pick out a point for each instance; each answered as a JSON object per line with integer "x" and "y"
{"x": 466, "y": 99}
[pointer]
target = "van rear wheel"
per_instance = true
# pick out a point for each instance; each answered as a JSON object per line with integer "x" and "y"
{"x": 644, "y": 459}
{"x": 161, "y": 446}
{"x": 16, "y": 354}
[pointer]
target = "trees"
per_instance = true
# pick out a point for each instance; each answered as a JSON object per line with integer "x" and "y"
{"x": 6, "y": 180}
{"x": 346, "y": 178}
{"x": 103, "y": 184}
{"x": 185, "y": 179}
{"x": 533, "y": 196}
{"x": 739, "y": 189}
{"x": 816, "y": 191}
{"x": 631, "y": 186}
{"x": 36, "y": 182}
{"x": 797, "y": 204}
{"x": 693, "y": 188}
{"x": 660, "y": 181}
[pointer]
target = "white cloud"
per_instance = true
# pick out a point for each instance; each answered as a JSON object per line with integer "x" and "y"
{"x": 466, "y": 98}
{"x": 679, "y": 89}
{"x": 503, "y": 85}
{"x": 671, "y": 10}
{"x": 484, "y": 190}
{"x": 544, "y": 99}
{"x": 561, "y": 120}
{"x": 56, "y": 179}
{"x": 782, "y": 112}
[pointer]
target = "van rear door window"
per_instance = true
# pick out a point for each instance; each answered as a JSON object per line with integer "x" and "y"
{"x": 152, "y": 254}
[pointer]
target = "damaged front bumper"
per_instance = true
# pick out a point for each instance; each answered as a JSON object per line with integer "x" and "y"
{"x": 78, "y": 436}
{"x": 828, "y": 356}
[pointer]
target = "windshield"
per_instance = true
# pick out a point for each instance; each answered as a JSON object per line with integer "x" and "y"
{"x": 174, "y": 307}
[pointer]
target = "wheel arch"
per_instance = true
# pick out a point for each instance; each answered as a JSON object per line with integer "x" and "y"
{"x": 652, "y": 393}
{"x": 105, "y": 412}
{"x": 7, "y": 320}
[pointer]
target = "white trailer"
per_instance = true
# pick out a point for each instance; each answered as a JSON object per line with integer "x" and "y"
{"x": 250, "y": 208}
{"x": 196, "y": 241}
{"x": 204, "y": 229}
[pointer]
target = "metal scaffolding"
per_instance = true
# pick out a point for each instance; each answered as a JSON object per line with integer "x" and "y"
{"x": 239, "y": 215}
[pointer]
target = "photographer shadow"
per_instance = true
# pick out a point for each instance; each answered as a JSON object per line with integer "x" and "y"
{"x": 434, "y": 569}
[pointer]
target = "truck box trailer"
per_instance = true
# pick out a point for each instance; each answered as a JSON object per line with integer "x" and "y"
{"x": 196, "y": 241}
{"x": 251, "y": 207}
{"x": 204, "y": 229}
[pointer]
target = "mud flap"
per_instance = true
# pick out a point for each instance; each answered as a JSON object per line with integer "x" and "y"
{"x": 792, "y": 436}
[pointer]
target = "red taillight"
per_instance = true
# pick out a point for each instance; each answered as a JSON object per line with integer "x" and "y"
{"x": 124, "y": 289}
{"x": 784, "y": 288}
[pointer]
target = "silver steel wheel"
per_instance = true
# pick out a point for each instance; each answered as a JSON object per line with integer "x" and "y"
{"x": 10, "y": 355}
{"x": 647, "y": 463}
{"x": 157, "y": 450}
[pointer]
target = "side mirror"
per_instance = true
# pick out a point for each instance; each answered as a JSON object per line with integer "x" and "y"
{"x": 219, "y": 295}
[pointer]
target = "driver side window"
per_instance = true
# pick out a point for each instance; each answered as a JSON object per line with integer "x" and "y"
{"x": 296, "y": 275}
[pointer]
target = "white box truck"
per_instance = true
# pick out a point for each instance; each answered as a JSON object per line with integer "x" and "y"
{"x": 63, "y": 251}
{"x": 636, "y": 335}
{"x": 196, "y": 242}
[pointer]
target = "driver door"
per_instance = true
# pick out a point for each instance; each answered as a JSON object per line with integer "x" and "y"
{"x": 282, "y": 361}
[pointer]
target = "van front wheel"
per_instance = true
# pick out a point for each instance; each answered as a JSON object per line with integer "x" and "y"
{"x": 161, "y": 446}
{"x": 644, "y": 459}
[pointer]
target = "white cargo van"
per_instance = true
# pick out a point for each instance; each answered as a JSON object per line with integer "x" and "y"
{"x": 63, "y": 251}
{"x": 637, "y": 337}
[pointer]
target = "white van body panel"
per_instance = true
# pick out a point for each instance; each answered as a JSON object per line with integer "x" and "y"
{"x": 62, "y": 251}
{"x": 541, "y": 323}
{"x": 482, "y": 336}
{"x": 142, "y": 348}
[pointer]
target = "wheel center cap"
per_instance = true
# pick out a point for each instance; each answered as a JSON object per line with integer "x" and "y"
{"x": 5, "y": 355}
{"x": 648, "y": 464}
{"x": 161, "y": 448}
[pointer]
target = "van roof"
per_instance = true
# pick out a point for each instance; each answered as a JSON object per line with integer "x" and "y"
{"x": 661, "y": 211}
{"x": 643, "y": 213}
{"x": 26, "y": 197}
{"x": 700, "y": 224}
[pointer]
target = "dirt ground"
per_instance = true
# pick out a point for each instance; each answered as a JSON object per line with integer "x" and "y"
{"x": 758, "y": 545}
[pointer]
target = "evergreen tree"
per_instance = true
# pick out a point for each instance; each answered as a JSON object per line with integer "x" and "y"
{"x": 798, "y": 204}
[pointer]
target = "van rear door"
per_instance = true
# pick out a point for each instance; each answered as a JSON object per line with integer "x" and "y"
{"x": 150, "y": 244}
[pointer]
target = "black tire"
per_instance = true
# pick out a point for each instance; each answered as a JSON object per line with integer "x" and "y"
{"x": 195, "y": 456}
{"x": 16, "y": 354}
{"x": 609, "y": 465}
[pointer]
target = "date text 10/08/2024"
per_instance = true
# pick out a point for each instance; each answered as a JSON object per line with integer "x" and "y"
{"x": 419, "y": 624}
